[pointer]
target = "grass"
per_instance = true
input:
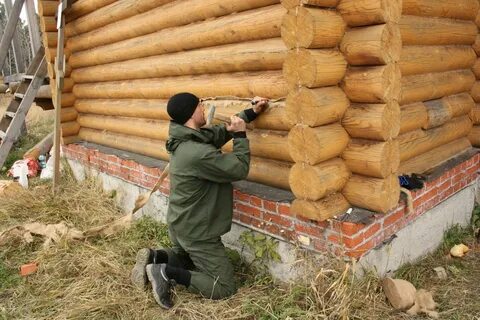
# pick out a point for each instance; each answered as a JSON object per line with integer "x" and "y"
{"x": 90, "y": 279}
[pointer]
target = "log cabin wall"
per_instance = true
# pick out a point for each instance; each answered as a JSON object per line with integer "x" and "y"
{"x": 313, "y": 70}
{"x": 48, "y": 25}
{"x": 372, "y": 47}
{"x": 474, "y": 135}
{"x": 436, "y": 63}
{"x": 127, "y": 57}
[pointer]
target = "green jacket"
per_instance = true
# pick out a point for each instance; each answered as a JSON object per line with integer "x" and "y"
{"x": 201, "y": 193}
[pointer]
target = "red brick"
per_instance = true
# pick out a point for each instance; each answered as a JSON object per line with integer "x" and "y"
{"x": 472, "y": 171}
{"x": 444, "y": 185}
{"x": 456, "y": 179}
{"x": 268, "y": 217}
{"x": 256, "y": 201}
{"x": 309, "y": 230}
{"x": 242, "y": 196}
{"x": 352, "y": 242}
{"x": 245, "y": 219}
{"x": 393, "y": 218}
{"x": 319, "y": 245}
{"x": 270, "y": 206}
{"x": 255, "y": 212}
{"x": 372, "y": 229}
{"x": 236, "y": 215}
{"x": 349, "y": 228}
{"x": 283, "y": 209}
{"x": 272, "y": 228}
{"x": 334, "y": 238}
{"x": 361, "y": 250}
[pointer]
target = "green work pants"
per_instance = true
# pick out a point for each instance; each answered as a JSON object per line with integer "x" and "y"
{"x": 207, "y": 260}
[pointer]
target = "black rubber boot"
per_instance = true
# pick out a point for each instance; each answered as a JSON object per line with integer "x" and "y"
{"x": 161, "y": 285}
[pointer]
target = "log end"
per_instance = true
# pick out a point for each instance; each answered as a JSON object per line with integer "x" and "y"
{"x": 321, "y": 210}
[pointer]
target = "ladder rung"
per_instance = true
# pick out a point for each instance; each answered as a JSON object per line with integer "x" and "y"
{"x": 28, "y": 76}
{"x": 2, "y": 135}
{"x": 10, "y": 114}
{"x": 19, "y": 95}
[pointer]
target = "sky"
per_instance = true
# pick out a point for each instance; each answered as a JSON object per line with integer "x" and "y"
{"x": 23, "y": 15}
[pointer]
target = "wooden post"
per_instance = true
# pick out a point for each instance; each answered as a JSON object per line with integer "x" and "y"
{"x": 10, "y": 28}
{"x": 33, "y": 29}
{"x": 59, "y": 73}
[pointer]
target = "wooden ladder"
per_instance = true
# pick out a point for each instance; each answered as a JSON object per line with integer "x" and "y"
{"x": 14, "y": 117}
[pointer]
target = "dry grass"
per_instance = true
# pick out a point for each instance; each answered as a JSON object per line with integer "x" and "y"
{"x": 90, "y": 279}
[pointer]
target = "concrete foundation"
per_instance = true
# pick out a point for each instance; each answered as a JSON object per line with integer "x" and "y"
{"x": 421, "y": 236}
{"x": 424, "y": 234}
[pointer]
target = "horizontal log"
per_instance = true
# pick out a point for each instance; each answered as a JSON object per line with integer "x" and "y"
{"x": 304, "y": 27}
{"x": 80, "y": 8}
{"x": 371, "y": 158}
{"x": 316, "y": 107}
{"x": 314, "y": 145}
{"x": 459, "y": 104}
{"x": 47, "y": 8}
{"x": 426, "y": 59}
{"x": 314, "y": 68}
{"x": 434, "y": 157}
{"x": 438, "y": 113}
{"x": 476, "y": 68}
{"x": 290, "y": 4}
{"x": 367, "y": 12}
{"x": 248, "y": 56}
{"x": 40, "y": 148}
{"x": 431, "y": 86}
{"x": 315, "y": 182}
{"x": 321, "y": 210}
{"x": 70, "y": 128}
{"x": 68, "y": 114}
{"x": 111, "y": 13}
{"x": 413, "y": 116}
{"x": 51, "y": 53}
{"x": 409, "y": 136}
{"x": 174, "y": 14}
{"x": 48, "y": 24}
{"x": 51, "y": 71}
{"x": 266, "y": 84}
{"x": 68, "y": 99}
{"x": 475, "y": 114}
{"x": 373, "y": 121}
{"x": 373, "y": 45}
{"x": 50, "y": 39}
{"x": 372, "y": 84}
{"x": 436, "y": 31}
{"x": 463, "y": 9}
{"x": 274, "y": 117}
{"x": 454, "y": 129}
{"x": 147, "y": 128}
{"x": 270, "y": 172}
{"x": 476, "y": 45}
{"x": 68, "y": 140}
{"x": 252, "y": 25}
{"x": 44, "y": 92}
{"x": 380, "y": 195}
{"x": 137, "y": 108}
{"x": 148, "y": 147}
{"x": 474, "y": 136}
{"x": 267, "y": 144}
{"x": 475, "y": 92}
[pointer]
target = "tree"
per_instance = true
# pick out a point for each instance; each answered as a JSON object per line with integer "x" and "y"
{"x": 9, "y": 67}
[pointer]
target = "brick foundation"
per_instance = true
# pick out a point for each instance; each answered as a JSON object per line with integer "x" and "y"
{"x": 274, "y": 218}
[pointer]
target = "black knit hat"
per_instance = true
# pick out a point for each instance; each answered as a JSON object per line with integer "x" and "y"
{"x": 181, "y": 106}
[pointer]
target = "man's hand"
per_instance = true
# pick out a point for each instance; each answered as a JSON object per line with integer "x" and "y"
{"x": 260, "y": 104}
{"x": 236, "y": 124}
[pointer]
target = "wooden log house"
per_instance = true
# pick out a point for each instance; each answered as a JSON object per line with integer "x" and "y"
{"x": 364, "y": 90}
